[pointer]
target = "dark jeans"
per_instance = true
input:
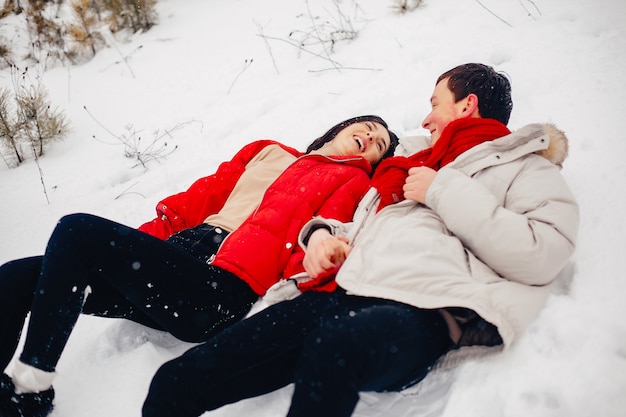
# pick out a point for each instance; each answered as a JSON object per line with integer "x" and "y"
{"x": 99, "y": 267}
{"x": 331, "y": 346}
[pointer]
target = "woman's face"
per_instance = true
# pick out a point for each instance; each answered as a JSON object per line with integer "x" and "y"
{"x": 367, "y": 139}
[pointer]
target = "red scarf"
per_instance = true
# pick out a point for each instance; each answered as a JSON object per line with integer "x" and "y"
{"x": 459, "y": 136}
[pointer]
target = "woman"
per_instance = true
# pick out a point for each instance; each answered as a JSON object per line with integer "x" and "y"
{"x": 182, "y": 285}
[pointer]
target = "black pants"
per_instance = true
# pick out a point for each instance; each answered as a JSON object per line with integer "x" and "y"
{"x": 96, "y": 266}
{"x": 331, "y": 346}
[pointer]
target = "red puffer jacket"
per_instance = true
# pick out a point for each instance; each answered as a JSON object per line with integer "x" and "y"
{"x": 265, "y": 247}
{"x": 206, "y": 196}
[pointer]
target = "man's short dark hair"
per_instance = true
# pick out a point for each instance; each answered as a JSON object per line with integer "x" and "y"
{"x": 492, "y": 88}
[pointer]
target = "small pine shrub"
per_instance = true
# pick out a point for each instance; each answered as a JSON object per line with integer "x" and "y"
{"x": 5, "y": 56}
{"x": 28, "y": 121}
{"x": 77, "y": 39}
{"x": 39, "y": 123}
{"x": 137, "y": 15}
{"x": 10, "y": 7}
{"x": 83, "y": 34}
{"x": 45, "y": 32}
{"x": 9, "y": 130}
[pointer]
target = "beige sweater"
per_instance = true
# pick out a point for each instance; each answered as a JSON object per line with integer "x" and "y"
{"x": 260, "y": 172}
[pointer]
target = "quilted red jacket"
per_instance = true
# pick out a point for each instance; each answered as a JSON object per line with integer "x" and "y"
{"x": 265, "y": 247}
{"x": 206, "y": 196}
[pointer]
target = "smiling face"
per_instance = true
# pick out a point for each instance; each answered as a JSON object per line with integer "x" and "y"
{"x": 444, "y": 109}
{"x": 367, "y": 139}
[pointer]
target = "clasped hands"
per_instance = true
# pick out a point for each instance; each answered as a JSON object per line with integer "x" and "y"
{"x": 325, "y": 251}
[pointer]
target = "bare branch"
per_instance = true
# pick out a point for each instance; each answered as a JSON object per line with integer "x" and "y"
{"x": 267, "y": 45}
{"x": 300, "y": 48}
{"x": 498, "y": 17}
{"x": 246, "y": 65}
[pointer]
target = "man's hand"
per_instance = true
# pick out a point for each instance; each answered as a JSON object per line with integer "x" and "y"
{"x": 324, "y": 252}
{"x": 417, "y": 183}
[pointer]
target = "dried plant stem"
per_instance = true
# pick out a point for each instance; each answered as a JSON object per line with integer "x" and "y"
{"x": 317, "y": 33}
{"x": 332, "y": 61}
{"x": 498, "y": 17}
{"x": 267, "y": 45}
{"x": 125, "y": 192}
{"x": 112, "y": 42}
{"x": 246, "y": 65}
{"x": 528, "y": 11}
{"x": 43, "y": 183}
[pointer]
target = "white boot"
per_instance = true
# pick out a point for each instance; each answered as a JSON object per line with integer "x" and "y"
{"x": 27, "y": 378}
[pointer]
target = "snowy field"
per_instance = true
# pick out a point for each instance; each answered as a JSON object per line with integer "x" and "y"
{"x": 219, "y": 74}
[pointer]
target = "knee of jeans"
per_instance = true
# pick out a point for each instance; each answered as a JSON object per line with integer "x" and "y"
{"x": 18, "y": 279}
{"x": 175, "y": 388}
{"x": 161, "y": 387}
{"x": 71, "y": 221}
{"x": 153, "y": 405}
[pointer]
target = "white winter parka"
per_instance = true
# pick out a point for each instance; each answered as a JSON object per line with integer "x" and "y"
{"x": 498, "y": 225}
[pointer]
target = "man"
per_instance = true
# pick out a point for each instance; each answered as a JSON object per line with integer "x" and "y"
{"x": 454, "y": 245}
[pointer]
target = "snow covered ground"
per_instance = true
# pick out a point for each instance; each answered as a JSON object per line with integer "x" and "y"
{"x": 206, "y": 75}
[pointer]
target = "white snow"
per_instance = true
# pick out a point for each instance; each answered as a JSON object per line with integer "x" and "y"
{"x": 206, "y": 74}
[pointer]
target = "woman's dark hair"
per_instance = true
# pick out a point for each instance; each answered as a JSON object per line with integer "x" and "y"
{"x": 333, "y": 131}
{"x": 492, "y": 88}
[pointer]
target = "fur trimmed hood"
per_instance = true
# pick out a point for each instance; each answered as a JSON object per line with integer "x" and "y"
{"x": 559, "y": 147}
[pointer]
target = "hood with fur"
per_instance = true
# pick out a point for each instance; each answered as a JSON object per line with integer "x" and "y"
{"x": 558, "y": 149}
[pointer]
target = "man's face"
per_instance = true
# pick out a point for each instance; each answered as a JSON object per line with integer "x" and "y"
{"x": 443, "y": 110}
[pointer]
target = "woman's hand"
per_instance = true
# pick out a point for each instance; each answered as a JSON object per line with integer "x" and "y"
{"x": 324, "y": 252}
